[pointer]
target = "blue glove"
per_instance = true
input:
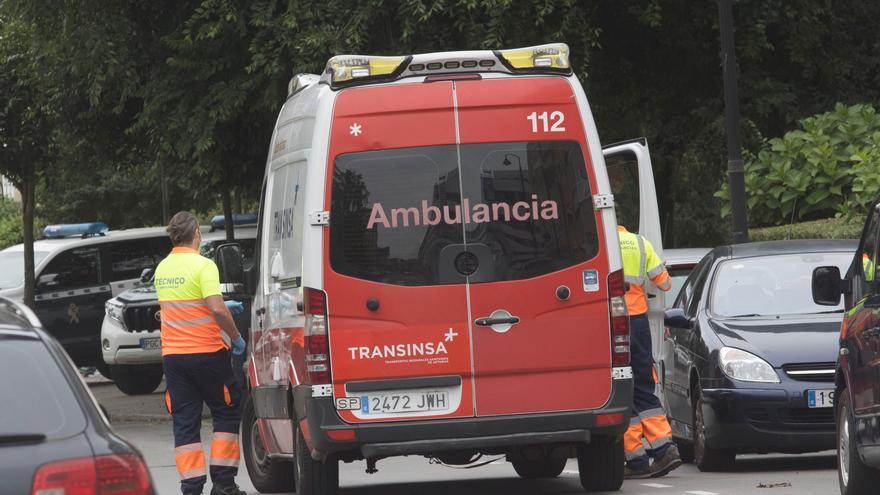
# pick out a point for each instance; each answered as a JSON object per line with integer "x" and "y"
{"x": 235, "y": 307}
{"x": 238, "y": 346}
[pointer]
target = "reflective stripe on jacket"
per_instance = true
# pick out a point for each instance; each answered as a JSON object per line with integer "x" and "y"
{"x": 640, "y": 264}
{"x": 183, "y": 280}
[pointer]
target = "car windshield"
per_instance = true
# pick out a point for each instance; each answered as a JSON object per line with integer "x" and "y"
{"x": 772, "y": 285}
{"x": 677, "y": 275}
{"x": 43, "y": 401}
{"x": 12, "y": 267}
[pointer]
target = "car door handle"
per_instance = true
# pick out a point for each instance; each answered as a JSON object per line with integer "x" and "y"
{"x": 489, "y": 321}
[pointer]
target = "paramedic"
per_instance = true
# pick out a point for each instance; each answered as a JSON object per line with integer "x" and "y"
{"x": 640, "y": 265}
{"x": 196, "y": 360}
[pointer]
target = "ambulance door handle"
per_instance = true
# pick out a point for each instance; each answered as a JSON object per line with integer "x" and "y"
{"x": 488, "y": 322}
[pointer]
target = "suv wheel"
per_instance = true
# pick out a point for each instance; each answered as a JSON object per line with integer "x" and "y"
{"x": 600, "y": 464}
{"x": 314, "y": 477}
{"x": 268, "y": 475}
{"x": 854, "y": 476}
{"x": 137, "y": 379}
{"x": 705, "y": 457}
{"x": 548, "y": 467}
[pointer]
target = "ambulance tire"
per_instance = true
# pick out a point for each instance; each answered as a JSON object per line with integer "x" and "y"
{"x": 267, "y": 474}
{"x": 549, "y": 467}
{"x": 314, "y": 477}
{"x": 600, "y": 464}
{"x": 136, "y": 379}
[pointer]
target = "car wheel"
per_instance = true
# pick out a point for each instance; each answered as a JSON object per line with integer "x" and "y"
{"x": 685, "y": 450}
{"x": 600, "y": 464}
{"x": 104, "y": 369}
{"x": 268, "y": 475}
{"x": 854, "y": 476}
{"x": 136, "y": 379}
{"x": 549, "y": 467}
{"x": 314, "y": 477}
{"x": 705, "y": 457}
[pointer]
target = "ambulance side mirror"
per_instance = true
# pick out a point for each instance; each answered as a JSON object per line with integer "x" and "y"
{"x": 230, "y": 263}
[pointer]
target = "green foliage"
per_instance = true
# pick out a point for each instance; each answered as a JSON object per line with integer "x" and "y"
{"x": 829, "y": 166}
{"x": 829, "y": 228}
{"x": 10, "y": 223}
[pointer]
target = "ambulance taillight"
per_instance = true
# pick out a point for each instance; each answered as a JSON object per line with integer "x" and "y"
{"x": 317, "y": 346}
{"x": 619, "y": 319}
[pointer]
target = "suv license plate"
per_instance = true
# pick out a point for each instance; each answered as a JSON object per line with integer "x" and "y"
{"x": 405, "y": 402}
{"x": 820, "y": 398}
{"x": 151, "y": 343}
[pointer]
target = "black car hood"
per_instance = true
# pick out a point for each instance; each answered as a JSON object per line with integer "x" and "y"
{"x": 783, "y": 340}
{"x": 138, "y": 295}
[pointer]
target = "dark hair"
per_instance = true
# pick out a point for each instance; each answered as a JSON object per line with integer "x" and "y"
{"x": 182, "y": 228}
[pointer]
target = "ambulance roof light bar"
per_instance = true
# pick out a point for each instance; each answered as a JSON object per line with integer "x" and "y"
{"x": 83, "y": 230}
{"x": 349, "y": 70}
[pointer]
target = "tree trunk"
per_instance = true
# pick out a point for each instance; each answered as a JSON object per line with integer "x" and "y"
{"x": 238, "y": 207}
{"x": 28, "y": 192}
{"x": 227, "y": 214}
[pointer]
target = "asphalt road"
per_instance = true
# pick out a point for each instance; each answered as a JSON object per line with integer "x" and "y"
{"x": 143, "y": 421}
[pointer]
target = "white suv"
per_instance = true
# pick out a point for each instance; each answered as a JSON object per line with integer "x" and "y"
{"x": 130, "y": 340}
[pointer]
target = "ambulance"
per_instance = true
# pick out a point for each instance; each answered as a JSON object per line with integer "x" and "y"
{"x": 438, "y": 272}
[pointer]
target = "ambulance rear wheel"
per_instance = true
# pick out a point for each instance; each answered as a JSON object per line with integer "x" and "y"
{"x": 314, "y": 477}
{"x": 548, "y": 467}
{"x": 600, "y": 464}
{"x": 267, "y": 474}
{"x": 136, "y": 379}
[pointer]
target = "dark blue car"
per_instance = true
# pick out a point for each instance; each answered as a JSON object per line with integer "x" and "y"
{"x": 747, "y": 364}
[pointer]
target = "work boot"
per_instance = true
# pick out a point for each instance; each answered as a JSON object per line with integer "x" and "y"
{"x": 637, "y": 469}
{"x": 227, "y": 489}
{"x": 667, "y": 462}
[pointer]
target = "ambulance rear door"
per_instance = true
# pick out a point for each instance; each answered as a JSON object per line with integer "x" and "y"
{"x": 635, "y": 200}
{"x": 398, "y": 316}
{"x": 536, "y": 248}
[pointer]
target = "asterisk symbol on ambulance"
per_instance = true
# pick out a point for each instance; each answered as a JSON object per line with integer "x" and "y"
{"x": 356, "y": 129}
{"x": 450, "y": 335}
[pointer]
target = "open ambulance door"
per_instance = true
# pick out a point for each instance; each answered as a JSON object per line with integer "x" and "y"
{"x": 635, "y": 200}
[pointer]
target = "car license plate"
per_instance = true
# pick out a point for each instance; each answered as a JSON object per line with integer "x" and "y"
{"x": 405, "y": 402}
{"x": 151, "y": 343}
{"x": 820, "y": 398}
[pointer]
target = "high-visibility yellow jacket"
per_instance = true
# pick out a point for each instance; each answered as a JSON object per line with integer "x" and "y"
{"x": 183, "y": 280}
{"x": 640, "y": 264}
{"x": 869, "y": 266}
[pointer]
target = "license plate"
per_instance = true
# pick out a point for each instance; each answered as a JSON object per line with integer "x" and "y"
{"x": 405, "y": 402}
{"x": 151, "y": 343}
{"x": 820, "y": 398}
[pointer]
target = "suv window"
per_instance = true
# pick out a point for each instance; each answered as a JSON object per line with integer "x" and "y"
{"x": 129, "y": 258}
{"x": 44, "y": 402}
{"x": 526, "y": 208}
{"x": 72, "y": 269}
{"x": 866, "y": 266}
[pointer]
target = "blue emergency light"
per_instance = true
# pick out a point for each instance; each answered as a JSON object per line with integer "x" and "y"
{"x": 73, "y": 229}
{"x": 219, "y": 221}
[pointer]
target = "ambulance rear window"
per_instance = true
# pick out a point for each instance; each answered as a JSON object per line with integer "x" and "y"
{"x": 403, "y": 217}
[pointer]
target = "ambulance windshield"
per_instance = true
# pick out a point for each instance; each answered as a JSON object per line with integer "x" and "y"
{"x": 405, "y": 216}
{"x": 12, "y": 267}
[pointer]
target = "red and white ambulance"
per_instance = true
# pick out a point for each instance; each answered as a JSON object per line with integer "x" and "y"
{"x": 438, "y": 272}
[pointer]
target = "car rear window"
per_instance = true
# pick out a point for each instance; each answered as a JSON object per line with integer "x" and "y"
{"x": 401, "y": 216}
{"x": 39, "y": 399}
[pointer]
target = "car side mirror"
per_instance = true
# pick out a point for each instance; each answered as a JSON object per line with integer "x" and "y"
{"x": 230, "y": 263}
{"x": 827, "y": 286}
{"x": 676, "y": 318}
{"x": 147, "y": 275}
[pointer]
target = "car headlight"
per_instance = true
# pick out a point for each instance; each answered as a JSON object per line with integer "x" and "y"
{"x": 114, "y": 310}
{"x": 745, "y": 366}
